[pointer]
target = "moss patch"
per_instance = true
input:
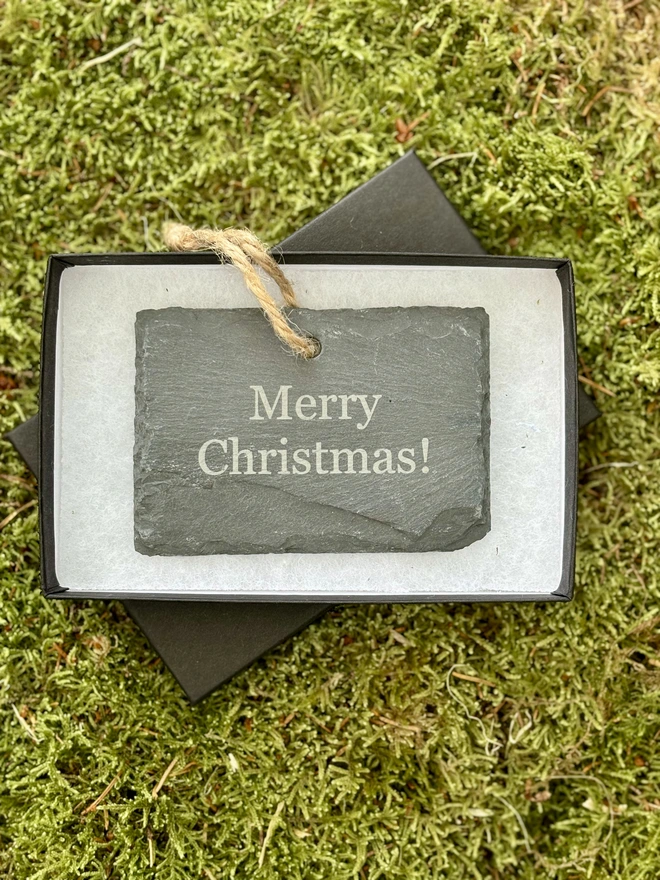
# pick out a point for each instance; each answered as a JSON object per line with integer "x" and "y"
{"x": 359, "y": 749}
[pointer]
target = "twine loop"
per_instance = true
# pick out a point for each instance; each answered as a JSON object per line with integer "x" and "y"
{"x": 244, "y": 250}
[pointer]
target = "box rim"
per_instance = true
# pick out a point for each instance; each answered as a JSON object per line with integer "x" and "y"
{"x": 59, "y": 262}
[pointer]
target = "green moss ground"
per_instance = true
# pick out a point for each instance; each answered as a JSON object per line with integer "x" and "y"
{"x": 352, "y": 751}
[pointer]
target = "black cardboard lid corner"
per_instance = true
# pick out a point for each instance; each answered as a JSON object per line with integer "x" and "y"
{"x": 400, "y": 210}
{"x": 25, "y": 440}
{"x": 203, "y": 644}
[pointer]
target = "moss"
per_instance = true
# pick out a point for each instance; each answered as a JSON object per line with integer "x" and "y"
{"x": 386, "y": 763}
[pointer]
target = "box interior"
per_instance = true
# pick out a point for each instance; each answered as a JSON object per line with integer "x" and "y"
{"x": 93, "y": 453}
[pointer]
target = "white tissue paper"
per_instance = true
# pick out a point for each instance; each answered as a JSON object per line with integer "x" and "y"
{"x": 94, "y": 432}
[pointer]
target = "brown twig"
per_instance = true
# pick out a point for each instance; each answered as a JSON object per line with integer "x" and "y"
{"x": 537, "y": 100}
{"x": 104, "y": 195}
{"x": 449, "y": 157}
{"x": 8, "y": 519}
{"x": 101, "y": 59}
{"x": 106, "y": 791}
{"x": 409, "y": 727}
{"x": 11, "y": 478}
{"x": 26, "y": 727}
{"x": 474, "y": 678}
{"x": 163, "y": 779}
{"x": 599, "y": 94}
{"x": 592, "y": 384}
{"x": 610, "y": 464}
{"x": 269, "y": 832}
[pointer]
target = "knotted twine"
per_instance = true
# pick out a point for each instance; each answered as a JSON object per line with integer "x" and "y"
{"x": 243, "y": 249}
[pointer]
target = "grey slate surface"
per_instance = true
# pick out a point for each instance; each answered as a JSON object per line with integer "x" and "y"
{"x": 200, "y": 374}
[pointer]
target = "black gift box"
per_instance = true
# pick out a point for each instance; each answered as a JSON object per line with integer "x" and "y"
{"x": 91, "y": 421}
{"x": 206, "y": 643}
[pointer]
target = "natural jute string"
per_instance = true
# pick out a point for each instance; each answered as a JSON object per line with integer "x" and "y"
{"x": 242, "y": 248}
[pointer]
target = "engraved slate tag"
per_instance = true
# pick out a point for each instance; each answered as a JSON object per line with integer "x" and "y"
{"x": 379, "y": 444}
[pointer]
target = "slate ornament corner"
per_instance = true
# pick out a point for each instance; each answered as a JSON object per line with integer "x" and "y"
{"x": 231, "y": 456}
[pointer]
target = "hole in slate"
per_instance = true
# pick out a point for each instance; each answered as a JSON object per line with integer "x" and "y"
{"x": 318, "y": 346}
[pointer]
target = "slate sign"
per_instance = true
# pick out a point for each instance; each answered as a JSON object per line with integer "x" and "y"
{"x": 381, "y": 443}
